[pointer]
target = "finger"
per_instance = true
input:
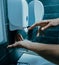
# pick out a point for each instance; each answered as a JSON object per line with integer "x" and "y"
{"x": 13, "y": 45}
{"x": 42, "y": 24}
{"x": 20, "y": 38}
{"x": 34, "y": 25}
{"x": 39, "y": 24}
{"x": 30, "y": 28}
{"x": 9, "y": 46}
{"x": 45, "y": 27}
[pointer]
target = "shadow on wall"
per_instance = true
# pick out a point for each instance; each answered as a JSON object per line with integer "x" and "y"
{"x": 28, "y": 1}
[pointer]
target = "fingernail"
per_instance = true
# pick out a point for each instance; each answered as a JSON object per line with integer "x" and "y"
{"x": 42, "y": 28}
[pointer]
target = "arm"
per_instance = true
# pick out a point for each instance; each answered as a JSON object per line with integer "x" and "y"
{"x": 48, "y": 51}
{"x": 52, "y": 49}
{"x": 45, "y": 24}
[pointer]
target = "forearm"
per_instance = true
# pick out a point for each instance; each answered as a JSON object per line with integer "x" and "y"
{"x": 50, "y": 52}
{"x": 39, "y": 47}
{"x": 36, "y": 47}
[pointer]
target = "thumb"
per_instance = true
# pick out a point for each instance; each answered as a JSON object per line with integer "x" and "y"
{"x": 45, "y": 27}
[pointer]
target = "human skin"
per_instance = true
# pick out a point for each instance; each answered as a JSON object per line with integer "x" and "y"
{"x": 48, "y": 51}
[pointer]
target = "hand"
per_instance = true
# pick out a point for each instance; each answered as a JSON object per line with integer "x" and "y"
{"x": 45, "y": 24}
{"x": 53, "y": 22}
{"x": 16, "y": 44}
{"x": 19, "y": 44}
{"x": 18, "y": 37}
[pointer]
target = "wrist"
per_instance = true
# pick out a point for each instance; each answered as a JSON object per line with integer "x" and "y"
{"x": 36, "y": 24}
{"x": 25, "y": 44}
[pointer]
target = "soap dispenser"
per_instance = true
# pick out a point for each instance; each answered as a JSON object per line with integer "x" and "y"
{"x": 36, "y": 11}
{"x": 17, "y": 14}
{"x": 25, "y": 15}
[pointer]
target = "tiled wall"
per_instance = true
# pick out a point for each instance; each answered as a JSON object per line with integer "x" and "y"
{"x": 51, "y": 8}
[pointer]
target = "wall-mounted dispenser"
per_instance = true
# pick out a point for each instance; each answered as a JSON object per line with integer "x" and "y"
{"x": 17, "y": 14}
{"x": 21, "y": 14}
{"x": 36, "y": 11}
